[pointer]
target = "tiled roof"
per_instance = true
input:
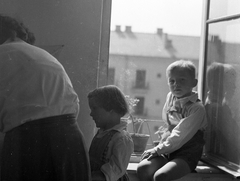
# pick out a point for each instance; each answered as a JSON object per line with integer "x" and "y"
{"x": 153, "y": 45}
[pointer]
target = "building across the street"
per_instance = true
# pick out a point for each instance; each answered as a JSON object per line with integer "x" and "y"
{"x": 138, "y": 62}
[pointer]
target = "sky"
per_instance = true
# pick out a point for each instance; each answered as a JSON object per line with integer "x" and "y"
{"x": 179, "y": 17}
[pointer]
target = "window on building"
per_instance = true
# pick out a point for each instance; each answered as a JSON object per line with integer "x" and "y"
{"x": 159, "y": 75}
{"x": 140, "y": 79}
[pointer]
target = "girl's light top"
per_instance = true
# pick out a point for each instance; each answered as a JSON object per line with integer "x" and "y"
{"x": 119, "y": 152}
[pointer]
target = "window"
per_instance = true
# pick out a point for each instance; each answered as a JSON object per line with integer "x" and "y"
{"x": 221, "y": 86}
{"x": 140, "y": 79}
{"x": 159, "y": 75}
{"x": 225, "y": 8}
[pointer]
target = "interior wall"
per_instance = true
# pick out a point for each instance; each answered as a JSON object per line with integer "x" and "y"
{"x": 70, "y": 30}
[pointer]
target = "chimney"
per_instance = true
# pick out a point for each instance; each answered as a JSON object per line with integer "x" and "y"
{"x": 165, "y": 37}
{"x": 118, "y": 28}
{"x": 160, "y": 31}
{"x": 167, "y": 43}
{"x": 214, "y": 38}
{"x": 128, "y": 29}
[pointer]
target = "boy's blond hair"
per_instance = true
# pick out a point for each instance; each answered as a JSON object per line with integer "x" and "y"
{"x": 184, "y": 64}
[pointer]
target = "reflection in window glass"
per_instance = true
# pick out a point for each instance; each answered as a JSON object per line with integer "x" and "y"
{"x": 226, "y": 31}
{"x": 222, "y": 91}
{"x": 219, "y": 8}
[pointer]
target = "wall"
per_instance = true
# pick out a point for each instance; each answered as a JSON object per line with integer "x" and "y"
{"x": 76, "y": 25}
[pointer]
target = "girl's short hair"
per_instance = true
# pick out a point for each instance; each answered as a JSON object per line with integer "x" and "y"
{"x": 11, "y": 28}
{"x": 110, "y": 97}
{"x": 185, "y": 64}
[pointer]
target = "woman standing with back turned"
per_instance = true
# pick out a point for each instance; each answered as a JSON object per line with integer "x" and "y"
{"x": 38, "y": 111}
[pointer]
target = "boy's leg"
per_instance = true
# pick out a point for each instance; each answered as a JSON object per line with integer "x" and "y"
{"x": 172, "y": 170}
{"x": 147, "y": 168}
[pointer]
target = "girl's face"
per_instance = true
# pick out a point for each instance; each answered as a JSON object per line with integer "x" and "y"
{"x": 180, "y": 82}
{"x": 100, "y": 116}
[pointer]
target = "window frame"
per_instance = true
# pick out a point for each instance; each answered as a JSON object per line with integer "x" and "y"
{"x": 211, "y": 158}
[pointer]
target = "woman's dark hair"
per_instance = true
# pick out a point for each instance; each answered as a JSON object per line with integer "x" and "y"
{"x": 10, "y": 28}
{"x": 110, "y": 97}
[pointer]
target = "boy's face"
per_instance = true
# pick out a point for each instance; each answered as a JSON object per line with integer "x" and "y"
{"x": 100, "y": 116}
{"x": 180, "y": 82}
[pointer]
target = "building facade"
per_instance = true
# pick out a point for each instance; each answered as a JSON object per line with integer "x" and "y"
{"x": 138, "y": 62}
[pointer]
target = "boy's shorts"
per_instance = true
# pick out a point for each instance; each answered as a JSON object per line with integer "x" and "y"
{"x": 191, "y": 151}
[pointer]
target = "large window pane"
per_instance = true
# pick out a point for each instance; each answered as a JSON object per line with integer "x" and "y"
{"x": 222, "y": 92}
{"x": 219, "y": 8}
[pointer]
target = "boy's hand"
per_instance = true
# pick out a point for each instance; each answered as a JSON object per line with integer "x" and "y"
{"x": 149, "y": 154}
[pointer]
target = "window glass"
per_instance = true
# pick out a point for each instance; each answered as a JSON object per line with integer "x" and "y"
{"x": 222, "y": 89}
{"x": 219, "y": 8}
{"x": 227, "y": 31}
